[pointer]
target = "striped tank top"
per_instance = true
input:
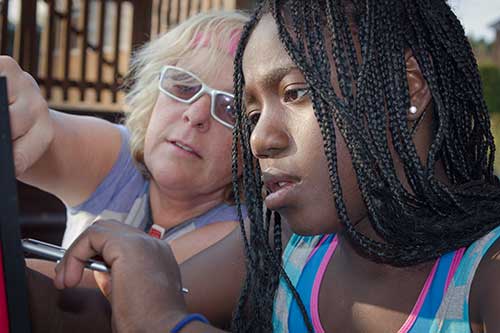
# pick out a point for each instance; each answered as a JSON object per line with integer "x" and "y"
{"x": 442, "y": 306}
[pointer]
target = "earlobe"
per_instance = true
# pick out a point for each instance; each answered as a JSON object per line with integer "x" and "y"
{"x": 420, "y": 95}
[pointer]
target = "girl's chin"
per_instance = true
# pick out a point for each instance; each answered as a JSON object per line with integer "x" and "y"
{"x": 308, "y": 227}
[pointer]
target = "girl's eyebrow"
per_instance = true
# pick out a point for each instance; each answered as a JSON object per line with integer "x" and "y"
{"x": 269, "y": 79}
{"x": 275, "y": 75}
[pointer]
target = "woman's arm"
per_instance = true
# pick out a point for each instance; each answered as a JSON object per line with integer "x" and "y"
{"x": 73, "y": 310}
{"x": 80, "y": 155}
{"x": 47, "y": 268}
{"x": 60, "y": 153}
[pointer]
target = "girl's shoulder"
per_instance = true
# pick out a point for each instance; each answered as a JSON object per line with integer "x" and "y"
{"x": 473, "y": 296}
{"x": 484, "y": 295}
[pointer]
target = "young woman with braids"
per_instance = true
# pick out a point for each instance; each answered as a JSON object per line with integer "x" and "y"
{"x": 373, "y": 145}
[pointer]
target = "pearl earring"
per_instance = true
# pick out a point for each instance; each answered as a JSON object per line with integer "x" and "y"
{"x": 413, "y": 109}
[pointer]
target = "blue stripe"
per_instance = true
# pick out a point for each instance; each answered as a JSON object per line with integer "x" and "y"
{"x": 425, "y": 317}
{"x": 434, "y": 296}
{"x": 295, "y": 319}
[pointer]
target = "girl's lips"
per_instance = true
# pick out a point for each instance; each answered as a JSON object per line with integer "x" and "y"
{"x": 280, "y": 196}
{"x": 281, "y": 186}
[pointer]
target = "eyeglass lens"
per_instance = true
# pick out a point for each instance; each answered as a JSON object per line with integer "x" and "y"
{"x": 224, "y": 108}
{"x": 184, "y": 86}
{"x": 180, "y": 84}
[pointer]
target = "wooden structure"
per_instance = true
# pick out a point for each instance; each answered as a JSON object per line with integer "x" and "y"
{"x": 79, "y": 50}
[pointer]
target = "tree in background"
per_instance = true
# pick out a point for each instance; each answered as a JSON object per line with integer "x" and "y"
{"x": 490, "y": 76}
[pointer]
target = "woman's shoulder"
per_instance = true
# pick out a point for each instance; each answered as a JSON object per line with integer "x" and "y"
{"x": 201, "y": 239}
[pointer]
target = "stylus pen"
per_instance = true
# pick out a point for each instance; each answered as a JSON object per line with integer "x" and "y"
{"x": 55, "y": 253}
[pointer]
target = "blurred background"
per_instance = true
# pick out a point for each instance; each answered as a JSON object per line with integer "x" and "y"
{"x": 481, "y": 21}
{"x": 79, "y": 52}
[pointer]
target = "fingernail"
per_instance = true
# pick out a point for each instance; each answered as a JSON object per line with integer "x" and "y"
{"x": 59, "y": 279}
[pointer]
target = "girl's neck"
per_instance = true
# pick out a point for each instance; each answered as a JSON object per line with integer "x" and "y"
{"x": 359, "y": 264}
{"x": 347, "y": 254}
{"x": 169, "y": 210}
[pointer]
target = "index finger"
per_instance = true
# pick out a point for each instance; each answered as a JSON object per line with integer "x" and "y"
{"x": 70, "y": 270}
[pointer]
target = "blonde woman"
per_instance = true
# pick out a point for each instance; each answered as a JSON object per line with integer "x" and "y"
{"x": 166, "y": 172}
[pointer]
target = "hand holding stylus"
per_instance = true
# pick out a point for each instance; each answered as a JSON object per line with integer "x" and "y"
{"x": 145, "y": 278}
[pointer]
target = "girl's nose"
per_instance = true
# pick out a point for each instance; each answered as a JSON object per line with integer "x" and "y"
{"x": 269, "y": 138}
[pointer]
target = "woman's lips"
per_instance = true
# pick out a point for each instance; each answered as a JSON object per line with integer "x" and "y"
{"x": 184, "y": 148}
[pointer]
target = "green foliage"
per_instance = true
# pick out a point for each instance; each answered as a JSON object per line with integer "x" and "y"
{"x": 490, "y": 75}
{"x": 481, "y": 44}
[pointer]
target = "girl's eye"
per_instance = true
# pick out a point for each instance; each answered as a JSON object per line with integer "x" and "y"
{"x": 295, "y": 94}
{"x": 253, "y": 117}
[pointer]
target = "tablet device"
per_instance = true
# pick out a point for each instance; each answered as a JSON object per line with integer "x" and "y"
{"x": 14, "y": 311}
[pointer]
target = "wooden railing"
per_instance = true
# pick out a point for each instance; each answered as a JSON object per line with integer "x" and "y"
{"x": 79, "y": 50}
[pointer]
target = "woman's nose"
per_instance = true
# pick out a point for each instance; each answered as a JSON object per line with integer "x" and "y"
{"x": 198, "y": 113}
{"x": 270, "y": 137}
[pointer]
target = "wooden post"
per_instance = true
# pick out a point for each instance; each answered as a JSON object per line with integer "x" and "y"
{"x": 141, "y": 22}
{"x": 28, "y": 57}
{"x": 245, "y": 4}
{"x": 5, "y": 27}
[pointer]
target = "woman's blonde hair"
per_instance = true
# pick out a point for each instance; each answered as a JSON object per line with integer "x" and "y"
{"x": 216, "y": 31}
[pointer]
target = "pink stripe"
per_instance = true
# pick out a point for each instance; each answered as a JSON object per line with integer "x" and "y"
{"x": 321, "y": 241}
{"x": 416, "y": 308}
{"x": 420, "y": 301}
{"x": 203, "y": 39}
{"x": 233, "y": 42}
{"x": 453, "y": 267}
{"x": 318, "y": 328}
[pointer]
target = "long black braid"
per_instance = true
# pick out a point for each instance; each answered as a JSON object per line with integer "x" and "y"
{"x": 416, "y": 225}
{"x": 263, "y": 266}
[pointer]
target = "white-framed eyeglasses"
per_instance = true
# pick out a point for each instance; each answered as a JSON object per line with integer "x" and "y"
{"x": 183, "y": 86}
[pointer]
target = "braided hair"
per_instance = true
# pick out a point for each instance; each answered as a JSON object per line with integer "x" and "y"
{"x": 415, "y": 225}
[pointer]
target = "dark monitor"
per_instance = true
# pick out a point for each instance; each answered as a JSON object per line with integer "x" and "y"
{"x": 14, "y": 311}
